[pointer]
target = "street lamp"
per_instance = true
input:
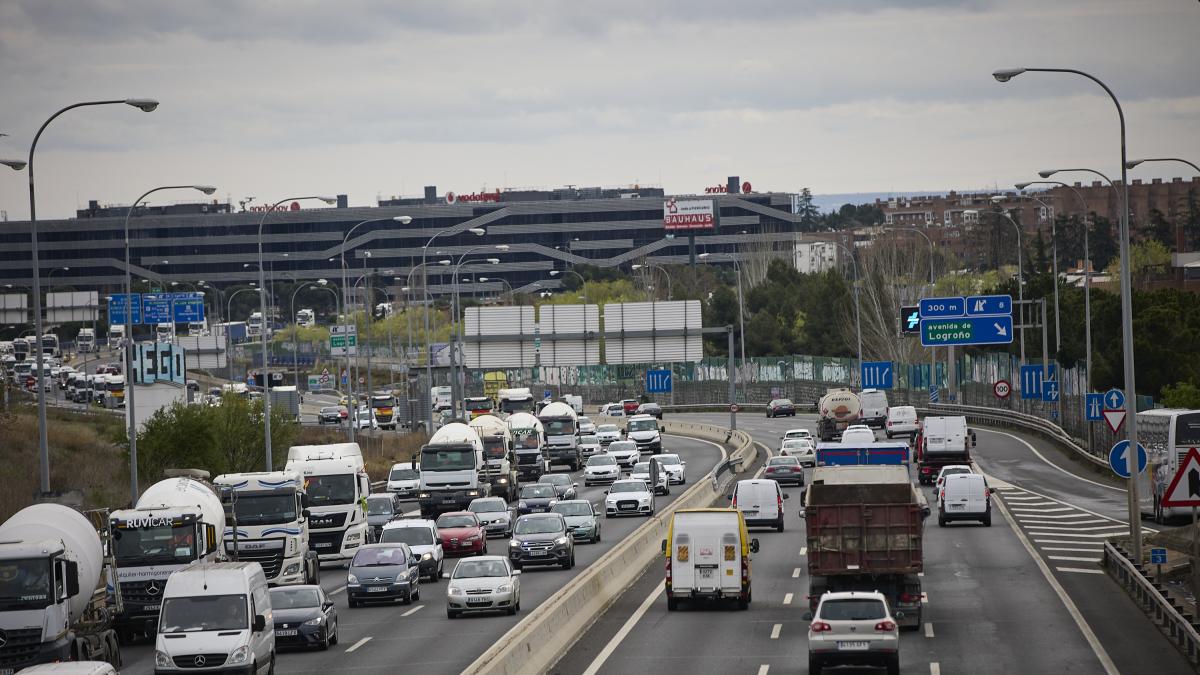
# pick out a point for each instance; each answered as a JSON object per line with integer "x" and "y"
{"x": 1134, "y": 162}
{"x": 229, "y": 320}
{"x": 14, "y": 164}
{"x": 741, "y": 318}
{"x": 932, "y": 350}
{"x": 478, "y": 232}
{"x": 320, "y": 284}
{"x": 143, "y": 104}
{"x": 1020, "y": 271}
{"x": 583, "y": 289}
{"x": 456, "y": 328}
{"x": 662, "y": 269}
{"x": 1135, "y": 522}
{"x": 1054, "y": 266}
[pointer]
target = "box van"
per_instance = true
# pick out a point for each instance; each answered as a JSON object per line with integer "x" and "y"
{"x": 874, "y": 408}
{"x": 965, "y": 496}
{"x": 216, "y": 617}
{"x": 902, "y": 421}
{"x": 760, "y": 501}
{"x": 708, "y": 556}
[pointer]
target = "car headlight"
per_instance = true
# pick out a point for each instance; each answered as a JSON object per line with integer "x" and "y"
{"x": 503, "y": 481}
{"x": 315, "y": 622}
{"x": 645, "y": 500}
{"x": 427, "y": 556}
{"x": 473, "y": 537}
{"x": 561, "y": 541}
{"x": 472, "y": 493}
{"x": 455, "y": 591}
{"x": 353, "y": 536}
{"x": 402, "y": 578}
{"x": 506, "y": 588}
{"x": 292, "y": 569}
{"x": 522, "y": 505}
{"x": 239, "y": 655}
{"x": 161, "y": 660}
{"x": 351, "y": 579}
{"x": 423, "y": 495}
{"x": 513, "y": 543}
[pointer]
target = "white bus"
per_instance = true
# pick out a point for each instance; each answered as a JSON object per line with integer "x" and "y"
{"x": 1167, "y": 434}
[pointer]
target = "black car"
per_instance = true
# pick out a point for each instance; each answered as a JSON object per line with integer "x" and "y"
{"x": 652, "y": 409}
{"x": 304, "y": 617}
{"x": 542, "y": 539}
{"x": 333, "y": 414}
{"x": 781, "y": 407}
{"x": 536, "y": 498}
{"x": 563, "y": 487}
{"x": 383, "y": 572}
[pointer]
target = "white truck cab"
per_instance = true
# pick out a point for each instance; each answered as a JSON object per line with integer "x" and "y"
{"x": 268, "y": 524}
{"x": 498, "y": 454}
{"x": 335, "y": 479}
{"x": 453, "y": 470}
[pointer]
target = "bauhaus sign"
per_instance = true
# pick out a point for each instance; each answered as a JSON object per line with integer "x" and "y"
{"x": 688, "y": 214}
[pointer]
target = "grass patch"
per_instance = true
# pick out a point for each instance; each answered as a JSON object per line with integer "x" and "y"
{"x": 380, "y": 452}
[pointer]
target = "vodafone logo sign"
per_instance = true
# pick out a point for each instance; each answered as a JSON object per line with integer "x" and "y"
{"x": 454, "y": 197}
{"x": 451, "y": 198}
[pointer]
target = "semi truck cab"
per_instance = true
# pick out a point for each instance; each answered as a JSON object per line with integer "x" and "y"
{"x": 267, "y": 524}
{"x": 336, "y": 482}
{"x": 453, "y": 471}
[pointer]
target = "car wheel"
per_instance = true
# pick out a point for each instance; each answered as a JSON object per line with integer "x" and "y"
{"x": 352, "y": 603}
{"x": 517, "y": 606}
{"x": 517, "y": 566}
{"x": 779, "y": 525}
{"x": 941, "y": 521}
{"x": 672, "y": 604}
{"x": 814, "y": 665}
{"x": 325, "y": 642}
{"x": 567, "y": 564}
{"x": 987, "y": 520}
{"x": 451, "y": 614}
{"x": 888, "y": 434}
{"x": 743, "y": 603}
{"x": 893, "y": 665}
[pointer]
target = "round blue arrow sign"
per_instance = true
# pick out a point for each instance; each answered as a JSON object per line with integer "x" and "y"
{"x": 1118, "y": 458}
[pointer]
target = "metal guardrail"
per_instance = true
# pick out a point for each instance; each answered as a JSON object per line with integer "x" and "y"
{"x": 1011, "y": 418}
{"x": 1154, "y": 601}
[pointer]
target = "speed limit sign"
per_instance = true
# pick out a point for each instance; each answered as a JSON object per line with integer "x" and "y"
{"x": 733, "y": 407}
{"x": 1002, "y": 389}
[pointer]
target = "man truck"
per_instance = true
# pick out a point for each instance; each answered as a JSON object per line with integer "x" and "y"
{"x": 268, "y": 524}
{"x": 335, "y": 479}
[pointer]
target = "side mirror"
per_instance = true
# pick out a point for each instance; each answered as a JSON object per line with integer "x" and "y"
{"x": 574, "y": 485}
{"x": 328, "y": 604}
{"x": 445, "y": 575}
{"x": 606, "y": 491}
{"x": 664, "y": 546}
{"x": 72, "y": 570}
{"x": 991, "y": 491}
{"x": 414, "y": 561}
{"x": 808, "y": 616}
{"x": 754, "y": 546}
{"x": 516, "y": 573}
{"x": 786, "y": 496}
{"x": 306, "y": 513}
{"x": 730, "y": 497}
{"x": 801, "y": 513}
{"x": 260, "y": 623}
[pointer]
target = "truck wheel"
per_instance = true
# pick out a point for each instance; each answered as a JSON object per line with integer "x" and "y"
{"x": 987, "y": 520}
{"x": 941, "y": 521}
{"x": 743, "y": 603}
{"x": 672, "y": 604}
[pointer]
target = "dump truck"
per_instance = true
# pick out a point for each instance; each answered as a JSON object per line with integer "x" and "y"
{"x": 838, "y": 408}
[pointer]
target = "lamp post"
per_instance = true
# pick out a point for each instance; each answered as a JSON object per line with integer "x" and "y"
{"x": 229, "y": 315}
{"x": 262, "y": 283}
{"x": 130, "y": 385}
{"x": 1135, "y": 523}
{"x": 319, "y": 284}
{"x": 1134, "y": 162}
{"x": 143, "y": 104}
{"x": 932, "y": 350}
{"x": 1020, "y": 272}
{"x": 741, "y": 317}
{"x": 456, "y": 329}
{"x": 477, "y": 231}
{"x": 502, "y": 280}
{"x": 583, "y": 289}
{"x": 662, "y": 269}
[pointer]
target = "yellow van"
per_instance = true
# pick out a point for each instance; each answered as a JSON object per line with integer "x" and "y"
{"x": 708, "y": 557}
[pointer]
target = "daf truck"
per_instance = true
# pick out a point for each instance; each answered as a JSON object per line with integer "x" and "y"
{"x": 268, "y": 524}
{"x": 562, "y": 434}
{"x": 498, "y": 454}
{"x": 385, "y": 408}
{"x": 335, "y": 479}
{"x": 453, "y": 471}
{"x": 529, "y": 445}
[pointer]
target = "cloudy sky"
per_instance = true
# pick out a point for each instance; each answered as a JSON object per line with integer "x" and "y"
{"x": 275, "y": 98}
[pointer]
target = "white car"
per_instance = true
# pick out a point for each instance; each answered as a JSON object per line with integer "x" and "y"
{"x": 586, "y": 426}
{"x": 613, "y": 410}
{"x": 795, "y": 433}
{"x": 674, "y": 467}
{"x": 589, "y": 444}
{"x": 949, "y": 470}
{"x": 485, "y": 584}
{"x": 366, "y": 419}
{"x": 404, "y": 479}
{"x": 422, "y": 539}
{"x": 625, "y": 452}
{"x": 600, "y": 469}
{"x": 801, "y": 448}
{"x": 858, "y": 433}
{"x": 641, "y": 471}
{"x": 628, "y": 498}
{"x": 853, "y": 628}
{"x": 607, "y": 433}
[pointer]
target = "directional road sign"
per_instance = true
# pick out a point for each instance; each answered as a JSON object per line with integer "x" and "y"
{"x": 933, "y": 393}
{"x": 1093, "y": 407}
{"x": 910, "y": 320}
{"x": 989, "y": 305}
{"x": 1114, "y": 399}
{"x": 940, "y": 308}
{"x": 187, "y": 307}
{"x": 877, "y": 374}
{"x": 1118, "y": 459}
{"x": 972, "y": 330}
{"x": 658, "y": 381}
{"x": 1032, "y": 377}
{"x": 1184, "y": 489}
{"x": 116, "y": 309}
{"x": 1002, "y": 389}
{"x": 343, "y": 340}
{"x": 1050, "y": 391}
{"x": 157, "y": 308}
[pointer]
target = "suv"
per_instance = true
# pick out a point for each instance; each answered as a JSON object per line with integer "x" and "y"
{"x": 781, "y": 407}
{"x": 422, "y": 539}
{"x": 853, "y": 628}
{"x": 542, "y": 539}
{"x": 643, "y": 430}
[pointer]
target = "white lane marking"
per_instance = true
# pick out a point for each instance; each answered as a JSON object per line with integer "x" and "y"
{"x": 928, "y": 630}
{"x": 1029, "y": 505}
{"x": 1033, "y": 512}
{"x": 1079, "y": 570}
{"x": 1043, "y": 529}
{"x": 1039, "y": 516}
{"x": 1043, "y": 458}
{"x": 414, "y": 610}
{"x": 1098, "y": 649}
{"x": 626, "y": 628}
{"x": 764, "y": 669}
{"x": 1020, "y": 497}
{"x": 1099, "y": 549}
{"x": 796, "y": 573}
{"x": 1056, "y": 533}
{"x": 763, "y": 468}
{"x": 803, "y": 550}
{"x": 339, "y": 589}
{"x": 787, "y": 599}
{"x": 935, "y": 669}
{"x": 1078, "y": 508}
{"x": 1039, "y": 521}
{"x": 358, "y": 644}
{"x": 775, "y": 631}
{"x": 1062, "y": 541}
{"x": 1073, "y": 558}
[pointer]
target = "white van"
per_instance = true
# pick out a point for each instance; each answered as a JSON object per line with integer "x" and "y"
{"x": 761, "y": 501}
{"x": 708, "y": 557}
{"x": 874, "y": 408}
{"x": 216, "y": 617}
{"x": 902, "y": 421}
{"x": 965, "y": 496}
{"x": 71, "y": 668}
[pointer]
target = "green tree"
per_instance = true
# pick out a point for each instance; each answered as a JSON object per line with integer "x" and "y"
{"x": 176, "y": 437}
{"x": 1145, "y": 258}
{"x": 1181, "y": 395}
{"x": 808, "y": 212}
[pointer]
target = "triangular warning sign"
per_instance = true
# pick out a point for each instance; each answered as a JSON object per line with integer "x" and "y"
{"x": 1114, "y": 419}
{"x": 1184, "y": 489}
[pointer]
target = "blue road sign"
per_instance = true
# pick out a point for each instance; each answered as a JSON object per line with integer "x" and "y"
{"x": 935, "y": 308}
{"x": 1093, "y": 407}
{"x": 1050, "y": 391}
{"x": 547, "y": 394}
{"x": 116, "y": 309}
{"x": 187, "y": 307}
{"x": 1118, "y": 458}
{"x": 156, "y": 308}
{"x": 1032, "y": 377}
{"x": 1114, "y": 399}
{"x": 971, "y": 330}
{"x": 658, "y": 381}
{"x": 989, "y": 305}
{"x": 876, "y": 374}
{"x": 1158, "y": 556}
{"x": 933, "y": 393}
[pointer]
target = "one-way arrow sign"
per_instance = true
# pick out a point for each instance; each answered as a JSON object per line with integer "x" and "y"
{"x": 1184, "y": 489}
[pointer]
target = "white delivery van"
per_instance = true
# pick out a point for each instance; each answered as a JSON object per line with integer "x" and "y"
{"x": 902, "y": 421}
{"x": 965, "y": 496}
{"x": 216, "y": 617}
{"x": 708, "y": 557}
{"x": 760, "y": 501}
{"x": 874, "y": 408}
{"x": 947, "y": 435}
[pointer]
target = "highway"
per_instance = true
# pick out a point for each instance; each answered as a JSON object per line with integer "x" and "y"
{"x": 388, "y": 639}
{"x": 989, "y": 606}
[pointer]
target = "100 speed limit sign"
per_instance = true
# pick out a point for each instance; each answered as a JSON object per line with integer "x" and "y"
{"x": 1002, "y": 389}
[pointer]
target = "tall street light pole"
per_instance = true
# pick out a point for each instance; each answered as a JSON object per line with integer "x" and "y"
{"x": 457, "y": 332}
{"x": 662, "y": 269}
{"x": 320, "y": 284}
{"x": 1135, "y": 522}
{"x": 737, "y": 267}
{"x": 583, "y": 290}
{"x": 1020, "y": 271}
{"x": 477, "y": 231}
{"x": 143, "y": 104}
{"x": 932, "y": 350}
{"x": 229, "y": 316}
{"x": 1054, "y": 269}
{"x": 130, "y": 385}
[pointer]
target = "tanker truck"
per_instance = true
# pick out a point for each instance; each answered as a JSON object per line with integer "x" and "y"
{"x": 176, "y": 521}
{"x": 838, "y": 408}
{"x": 55, "y": 600}
{"x": 498, "y": 453}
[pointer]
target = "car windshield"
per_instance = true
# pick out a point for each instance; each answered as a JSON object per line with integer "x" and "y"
{"x": 643, "y": 425}
{"x": 204, "y": 613}
{"x": 606, "y": 428}
{"x": 584, "y": 421}
{"x": 781, "y": 401}
{"x": 556, "y": 479}
{"x": 538, "y": 491}
{"x": 951, "y": 472}
{"x": 488, "y": 506}
{"x": 558, "y": 427}
{"x": 475, "y": 406}
{"x": 25, "y": 584}
{"x": 404, "y": 474}
{"x": 457, "y": 521}
{"x": 331, "y": 411}
{"x": 852, "y": 610}
{"x": 478, "y": 569}
{"x": 538, "y": 525}
{"x": 622, "y": 446}
{"x": 294, "y": 598}
{"x": 601, "y": 460}
{"x": 667, "y": 459}
{"x": 642, "y": 467}
{"x": 629, "y": 486}
{"x": 783, "y": 461}
{"x": 330, "y": 490}
{"x": 572, "y": 508}
{"x": 440, "y": 458}
{"x": 413, "y": 536}
{"x": 379, "y": 557}
{"x": 796, "y": 443}
{"x": 380, "y": 506}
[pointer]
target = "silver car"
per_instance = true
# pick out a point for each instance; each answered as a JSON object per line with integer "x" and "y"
{"x": 495, "y": 514}
{"x": 853, "y": 629}
{"x": 484, "y": 584}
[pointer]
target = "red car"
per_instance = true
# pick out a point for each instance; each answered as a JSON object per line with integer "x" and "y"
{"x": 461, "y": 533}
{"x": 630, "y": 406}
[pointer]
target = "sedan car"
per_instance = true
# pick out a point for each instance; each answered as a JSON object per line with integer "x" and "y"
{"x": 613, "y": 410}
{"x": 589, "y": 444}
{"x": 483, "y": 584}
{"x": 601, "y": 469}
{"x": 652, "y": 409}
{"x": 781, "y": 407}
{"x": 495, "y": 514}
{"x": 536, "y": 498}
{"x": 304, "y": 617}
{"x": 625, "y": 452}
{"x": 641, "y": 471}
{"x": 332, "y": 414}
{"x": 785, "y": 470}
{"x": 586, "y": 426}
{"x": 795, "y": 433}
{"x": 628, "y": 498}
{"x": 858, "y": 433}
{"x": 381, "y": 508}
{"x": 582, "y": 519}
{"x": 674, "y": 467}
{"x": 462, "y": 533}
{"x": 542, "y": 539}
{"x": 853, "y": 628}
{"x": 563, "y": 486}
{"x": 607, "y": 433}
{"x": 383, "y": 572}
{"x": 801, "y": 448}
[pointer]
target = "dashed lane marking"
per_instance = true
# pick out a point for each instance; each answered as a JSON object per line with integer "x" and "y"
{"x": 775, "y": 631}
{"x": 787, "y": 599}
{"x": 1034, "y": 512}
{"x": 935, "y": 669}
{"x": 764, "y": 669}
{"x": 339, "y": 589}
{"x": 803, "y": 550}
{"x": 924, "y": 598}
{"x": 1079, "y": 570}
{"x": 1061, "y": 517}
{"x": 928, "y": 630}
{"x": 1092, "y": 521}
{"x": 358, "y": 644}
{"x": 796, "y": 573}
{"x": 1072, "y": 528}
{"x": 1073, "y": 558}
{"x": 414, "y": 610}
{"x": 1062, "y": 541}
{"x": 1099, "y": 548}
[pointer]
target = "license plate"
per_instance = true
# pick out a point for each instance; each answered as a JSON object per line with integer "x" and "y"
{"x": 707, "y": 573}
{"x": 748, "y": 512}
{"x": 286, "y": 633}
{"x": 151, "y": 608}
{"x": 956, "y": 507}
{"x": 377, "y": 589}
{"x": 539, "y": 552}
{"x": 478, "y": 601}
{"x": 447, "y": 500}
{"x": 856, "y": 646}
{"x": 323, "y": 544}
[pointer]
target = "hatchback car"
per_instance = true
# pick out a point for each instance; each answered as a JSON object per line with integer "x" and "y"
{"x": 404, "y": 479}
{"x": 675, "y": 468}
{"x": 536, "y": 498}
{"x": 785, "y": 470}
{"x": 795, "y": 433}
{"x": 563, "y": 486}
{"x": 383, "y": 572}
{"x": 589, "y": 444}
{"x": 495, "y": 514}
{"x": 382, "y": 508}
{"x": 858, "y": 433}
{"x": 600, "y": 469}
{"x": 304, "y": 617}
{"x": 462, "y": 533}
{"x": 586, "y": 426}
{"x": 781, "y": 407}
{"x": 483, "y": 584}
{"x": 422, "y": 538}
{"x": 581, "y": 517}
{"x": 332, "y": 414}
{"x": 853, "y": 629}
{"x": 949, "y": 470}
{"x": 613, "y": 410}
{"x": 625, "y": 452}
{"x": 628, "y": 498}
{"x": 641, "y": 471}
{"x": 607, "y": 433}
{"x": 542, "y": 539}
